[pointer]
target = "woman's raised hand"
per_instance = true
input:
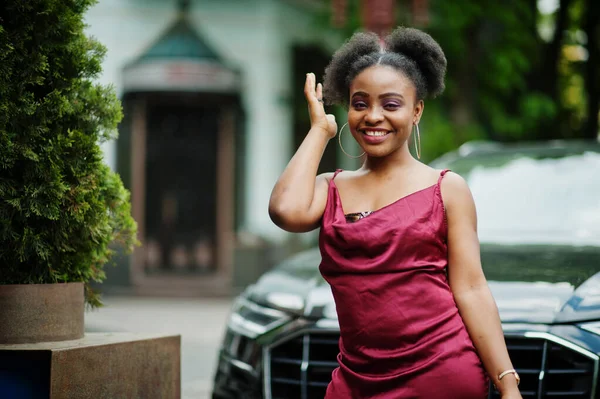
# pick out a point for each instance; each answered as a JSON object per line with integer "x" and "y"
{"x": 318, "y": 118}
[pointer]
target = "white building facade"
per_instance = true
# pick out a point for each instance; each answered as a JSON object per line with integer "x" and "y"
{"x": 260, "y": 39}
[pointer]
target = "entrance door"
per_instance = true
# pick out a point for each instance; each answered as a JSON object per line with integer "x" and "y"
{"x": 181, "y": 189}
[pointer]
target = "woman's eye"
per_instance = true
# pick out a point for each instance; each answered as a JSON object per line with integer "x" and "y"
{"x": 391, "y": 106}
{"x": 359, "y": 105}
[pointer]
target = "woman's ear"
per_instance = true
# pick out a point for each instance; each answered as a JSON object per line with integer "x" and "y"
{"x": 418, "y": 111}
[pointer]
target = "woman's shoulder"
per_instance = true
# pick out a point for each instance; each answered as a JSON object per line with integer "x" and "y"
{"x": 327, "y": 176}
{"x": 446, "y": 177}
{"x": 452, "y": 186}
{"x": 426, "y": 173}
{"x": 341, "y": 174}
{"x": 455, "y": 190}
{"x": 452, "y": 181}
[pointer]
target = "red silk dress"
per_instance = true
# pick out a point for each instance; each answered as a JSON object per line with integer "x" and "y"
{"x": 401, "y": 334}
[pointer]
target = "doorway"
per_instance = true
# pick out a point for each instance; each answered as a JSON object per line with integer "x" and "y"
{"x": 181, "y": 189}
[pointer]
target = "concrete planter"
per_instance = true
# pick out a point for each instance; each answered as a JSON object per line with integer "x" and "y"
{"x": 32, "y": 313}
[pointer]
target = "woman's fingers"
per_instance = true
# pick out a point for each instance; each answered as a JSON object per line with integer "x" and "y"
{"x": 314, "y": 97}
{"x": 314, "y": 93}
{"x": 307, "y": 88}
{"x": 320, "y": 92}
{"x": 310, "y": 88}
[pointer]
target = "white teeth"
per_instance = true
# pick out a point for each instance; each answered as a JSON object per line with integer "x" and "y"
{"x": 378, "y": 133}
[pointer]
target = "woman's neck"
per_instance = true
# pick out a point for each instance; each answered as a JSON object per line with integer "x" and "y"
{"x": 399, "y": 159}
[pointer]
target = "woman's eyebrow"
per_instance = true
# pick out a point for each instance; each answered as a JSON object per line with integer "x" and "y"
{"x": 391, "y": 94}
{"x": 360, "y": 93}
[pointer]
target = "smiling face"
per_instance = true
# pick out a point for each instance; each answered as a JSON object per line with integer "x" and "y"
{"x": 383, "y": 109}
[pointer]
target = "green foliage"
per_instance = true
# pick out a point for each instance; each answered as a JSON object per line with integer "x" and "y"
{"x": 499, "y": 84}
{"x": 491, "y": 48}
{"x": 61, "y": 207}
{"x": 439, "y": 135}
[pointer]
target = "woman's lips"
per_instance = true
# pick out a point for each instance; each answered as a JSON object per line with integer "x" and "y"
{"x": 375, "y": 136}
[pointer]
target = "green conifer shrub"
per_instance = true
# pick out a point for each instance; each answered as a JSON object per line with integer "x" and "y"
{"x": 61, "y": 207}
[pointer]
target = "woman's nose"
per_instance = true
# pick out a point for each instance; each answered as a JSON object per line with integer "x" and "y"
{"x": 374, "y": 115}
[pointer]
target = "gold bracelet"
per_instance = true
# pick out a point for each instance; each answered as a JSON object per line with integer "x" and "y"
{"x": 511, "y": 371}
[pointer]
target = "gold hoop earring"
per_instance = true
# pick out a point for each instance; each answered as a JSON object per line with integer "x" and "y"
{"x": 340, "y": 140}
{"x": 417, "y": 137}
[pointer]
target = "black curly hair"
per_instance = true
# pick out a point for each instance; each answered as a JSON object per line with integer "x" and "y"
{"x": 411, "y": 51}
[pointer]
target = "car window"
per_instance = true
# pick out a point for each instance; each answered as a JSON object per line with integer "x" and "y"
{"x": 524, "y": 199}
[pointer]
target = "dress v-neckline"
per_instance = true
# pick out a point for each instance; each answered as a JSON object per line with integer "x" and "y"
{"x": 340, "y": 206}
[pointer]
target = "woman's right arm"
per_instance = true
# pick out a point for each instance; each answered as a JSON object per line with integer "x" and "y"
{"x": 299, "y": 197}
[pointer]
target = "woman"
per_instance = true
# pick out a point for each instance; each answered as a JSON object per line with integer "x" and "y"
{"x": 398, "y": 238}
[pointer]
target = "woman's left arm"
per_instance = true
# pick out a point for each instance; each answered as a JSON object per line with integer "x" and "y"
{"x": 469, "y": 286}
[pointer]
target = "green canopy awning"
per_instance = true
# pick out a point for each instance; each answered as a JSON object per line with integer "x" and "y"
{"x": 180, "y": 60}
